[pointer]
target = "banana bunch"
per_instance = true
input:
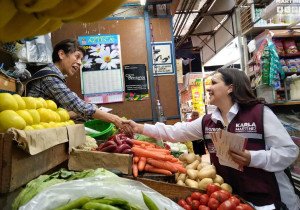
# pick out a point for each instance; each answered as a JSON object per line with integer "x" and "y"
{"x": 27, "y": 18}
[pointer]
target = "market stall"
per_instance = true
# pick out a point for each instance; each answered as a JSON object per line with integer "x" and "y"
{"x": 52, "y": 159}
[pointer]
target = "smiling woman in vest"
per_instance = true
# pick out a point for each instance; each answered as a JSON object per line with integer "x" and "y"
{"x": 49, "y": 83}
{"x": 269, "y": 149}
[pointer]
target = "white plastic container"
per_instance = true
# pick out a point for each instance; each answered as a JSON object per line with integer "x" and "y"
{"x": 295, "y": 88}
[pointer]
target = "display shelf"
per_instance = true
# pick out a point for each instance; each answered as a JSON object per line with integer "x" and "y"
{"x": 291, "y": 73}
{"x": 290, "y": 55}
{"x": 287, "y": 103}
{"x": 258, "y": 29}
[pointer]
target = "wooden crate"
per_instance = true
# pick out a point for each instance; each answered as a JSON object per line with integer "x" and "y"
{"x": 172, "y": 191}
{"x": 80, "y": 160}
{"x": 7, "y": 84}
{"x": 18, "y": 167}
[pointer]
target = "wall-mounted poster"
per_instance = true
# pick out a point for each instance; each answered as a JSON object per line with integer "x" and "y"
{"x": 136, "y": 88}
{"x": 162, "y": 58}
{"x": 101, "y": 74}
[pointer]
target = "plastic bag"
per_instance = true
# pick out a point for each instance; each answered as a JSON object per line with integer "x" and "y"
{"x": 113, "y": 187}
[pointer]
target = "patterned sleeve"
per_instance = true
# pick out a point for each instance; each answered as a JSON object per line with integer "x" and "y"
{"x": 56, "y": 89}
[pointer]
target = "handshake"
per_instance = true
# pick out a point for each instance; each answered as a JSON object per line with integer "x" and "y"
{"x": 128, "y": 127}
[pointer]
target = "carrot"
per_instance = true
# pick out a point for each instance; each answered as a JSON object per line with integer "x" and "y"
{"x": 150, "y": 168}
{"x": 162, "y": 164}
{"x": 141, "y": 163}
{"x": 148, "y": 154}
{"x": 180, "y": 168}
{"x": 138, "y": 142}
{"x": 164, "y": 151}
{"x": 135, "y": 170}
{"x": 174, "y": 160}
{"x": 136, "y": 159}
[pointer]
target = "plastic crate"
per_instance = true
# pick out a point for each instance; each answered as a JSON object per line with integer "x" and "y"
{"x": 104, "y": 129}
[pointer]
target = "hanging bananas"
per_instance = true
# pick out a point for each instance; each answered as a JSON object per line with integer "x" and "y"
{"x": 7, "y": 11}
{"x": 102, "y": 10}
{"x": 27, "y": 18}
{"x": 30, "y": 6}
{"x": 67, "y": 9}
{"x": 22, "y": 25}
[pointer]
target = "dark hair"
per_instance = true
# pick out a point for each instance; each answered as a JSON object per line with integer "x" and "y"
{"x": 68, "y": 46}
{"x": 242, "y": 92}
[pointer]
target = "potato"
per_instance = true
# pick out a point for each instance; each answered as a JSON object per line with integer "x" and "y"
{"x": 191, "y": 183}
{"x": 181, "y": 183}
{"x": 191, "y": 157}
{"x": 193, "y": 165}
{"x": 206, "y": 167}
{"x": 204, "y": 182}
{"x": 216, "y": 183}
{"x": 193, "y": 174}
{"x": 176, "y": 176}
{"x": 201, "y": 165}
{"x": 226, "y": 187}
{"x": 181, "y": 177}
{"x": 182, "y": 157}
{"x": 218, "y": 179}
{"x": 198, "y": 157}
{"x": 207, "y": 173}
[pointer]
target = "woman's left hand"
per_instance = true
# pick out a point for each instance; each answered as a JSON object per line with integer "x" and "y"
{"x": 241, "y": 158}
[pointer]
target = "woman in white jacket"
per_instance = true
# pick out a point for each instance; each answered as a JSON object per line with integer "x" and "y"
{"x": 269, "y": 150}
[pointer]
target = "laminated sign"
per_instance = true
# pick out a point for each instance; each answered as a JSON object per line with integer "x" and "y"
{"x": 135, "y": 77}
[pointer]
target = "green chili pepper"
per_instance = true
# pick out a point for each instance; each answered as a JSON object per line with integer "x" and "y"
{"x": 149, "y": 202}
{"x": 111, "y": 201}
{"x": 99, "y": 206}
{"x": 78, "y": 203}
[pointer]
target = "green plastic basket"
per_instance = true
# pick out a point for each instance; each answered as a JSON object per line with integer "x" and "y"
{"x": 105, "y": 129}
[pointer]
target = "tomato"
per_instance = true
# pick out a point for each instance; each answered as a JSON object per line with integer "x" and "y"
{"x": 204, "y": 199}
{"x": 195, "y": 204}
{"x": 227, "y": 205}
{"x": 212, "y": 188}
{"x": 202, "y": 207}
{"x": 196, "y": 195}
{"x": 220, "y": 196}
{"x": 189, "y": 200}
{"x": 244, "y": 207}
{"x": 187, "y": 207}
{"x": 228, "y": 194}
{"x": 213, "y": 203}
{"x": 181, "y": 202}
{"x": 235, "y": 200}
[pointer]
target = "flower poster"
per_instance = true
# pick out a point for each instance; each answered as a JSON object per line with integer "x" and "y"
{"x": 101, "y": 74}
{"x": 162, "y": 58}
{"x": 136, "y": 87}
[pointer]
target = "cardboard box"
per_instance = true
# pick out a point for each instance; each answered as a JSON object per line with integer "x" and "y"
{"x": 7, "y": 84}
{"x": 24, "y": 155}
{"x": 80, "y": 160}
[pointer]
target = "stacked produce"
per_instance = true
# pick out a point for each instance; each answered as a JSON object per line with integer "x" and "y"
{"x": 26, "y": 18}
{"x": 30, "y": 113}
{"x": 152, "y": 158}
{"x": 214, "y": 198}
{"x": 199, "y": 174}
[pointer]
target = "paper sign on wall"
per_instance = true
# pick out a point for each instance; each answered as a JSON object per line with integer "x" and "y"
{"x": 162, "y": 58}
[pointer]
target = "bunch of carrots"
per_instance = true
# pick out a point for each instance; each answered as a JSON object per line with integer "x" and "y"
{"x": 152, "y": 158}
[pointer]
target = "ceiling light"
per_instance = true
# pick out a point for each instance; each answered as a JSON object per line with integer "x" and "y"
{"x": 143, "y": 2}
